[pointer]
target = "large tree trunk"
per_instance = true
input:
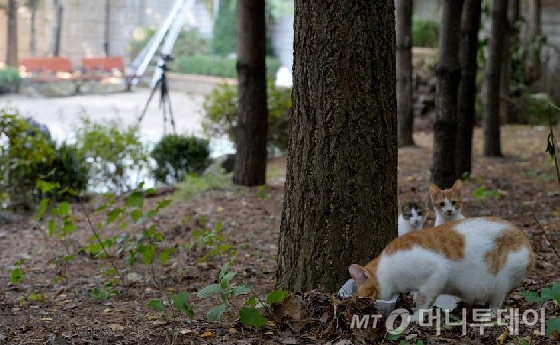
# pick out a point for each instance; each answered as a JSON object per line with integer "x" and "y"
{"x": 466, "y": 102}
{"x": 534, "y": 30}
{"x": 449, "y": 74}
{"x": 404, "y": 73}
{"x": 11, "y": 35}
{"x": 33, "y": 4}
{"x": 492, "y": 144}
{"x": 340, "y": 202}
{"x": 252, "y": 127}
{"x": 506, "y": 115}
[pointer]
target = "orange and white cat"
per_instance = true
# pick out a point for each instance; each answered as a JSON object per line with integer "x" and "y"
{"x": 479, "y": 260}
{"x": 447, "y": 203}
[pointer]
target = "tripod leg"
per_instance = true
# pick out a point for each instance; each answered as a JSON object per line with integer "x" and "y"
{"x": 162, "y": 104}
{"x": 141, "y": 117}
{"x": 171, "y": 115}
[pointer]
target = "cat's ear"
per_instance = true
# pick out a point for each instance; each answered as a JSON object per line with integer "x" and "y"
{"x": 434, "y": 189}
{"x": 458, "y": 186}
{"x": 359, "y": 274}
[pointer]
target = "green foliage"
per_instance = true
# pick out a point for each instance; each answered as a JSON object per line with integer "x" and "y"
{"x": 113, "y": 151}
{"x": 213, "y": 178}
{"x": 24, "y": 152}
{"x": 10, "y": 80}
{"x": 547, "y": 294}
{"x": 178, "y": 155}
{"x": 425, "y": 32}
{"x": 189, "y": 42}
{"x": 218, "y": 66}
{"x": 221, "y": 107}
{"x": 211, "y": 241}
{"x": 481, "y": 193}
{"x": 225, "y": 29}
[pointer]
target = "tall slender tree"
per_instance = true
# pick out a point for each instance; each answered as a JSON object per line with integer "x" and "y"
{"x": 404, "y": 72}
{"x": 11, "y": 34}
{"x": 448, "y": 74}
{"x": 510, "y": 40}
{"x": 533, "y": 31}
{"x": 492, "y": 142}
{"x": 466, "y": 102}
{"x": 340, "y": 204}
{"x": 252, "y": 126}
{"x": 33, "y": 7}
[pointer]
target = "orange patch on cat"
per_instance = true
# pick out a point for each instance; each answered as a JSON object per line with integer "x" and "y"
{"x": 367, "y": 285}
{"x": 507, "y": 242}
{"x": 443, "y": 239}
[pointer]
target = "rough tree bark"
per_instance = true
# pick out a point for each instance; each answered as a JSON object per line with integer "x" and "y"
{"x": 340, "y": 204}
{"x": 11, "y": 35}
{"x": 492, "y": 143}
{"x": 404, "y": 72}
{"x": 252, "y": 127}
{"x": 466, "y": 101}
{"x": 506, "y": 114}
{"x": 448, "y": 74}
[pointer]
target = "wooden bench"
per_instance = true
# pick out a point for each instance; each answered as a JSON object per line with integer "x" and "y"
{"x": 99, "y": 68}
{"x": 40, "y": 70}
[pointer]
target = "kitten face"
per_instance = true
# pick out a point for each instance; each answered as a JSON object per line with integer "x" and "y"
{"x": 365, "y": 278}
{"x": 447, "y": 202}
{"x": 414, "y": 212}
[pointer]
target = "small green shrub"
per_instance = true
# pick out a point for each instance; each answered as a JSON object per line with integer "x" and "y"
{"x": 189, "y": 42}
{"x": 68, "y": 168}
{"x": 178, "y": 155}
{"x": 425, "y": 32}
{"x": 9, "y": 80}
{"x": 218, "y": 66}
{"x": 220, "y": 113}
{"x": 23, "y": 150}
{"x": 113, "y": 151}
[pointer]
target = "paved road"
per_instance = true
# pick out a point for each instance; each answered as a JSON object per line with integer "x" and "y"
{"x": 59, "y": 113}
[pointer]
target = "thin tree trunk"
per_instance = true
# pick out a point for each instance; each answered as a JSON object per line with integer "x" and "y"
{"x": 340, "y": 203}
{"x": 466, "y": 103}
{"x": 509, "y": 41}
{"x": 252, "y": 127}
{"x": 449, "y": 74}
{"x": 106, "y": 46}
{"x": 404, "y": 72}
{"x": 57, "y": 28}
{"x": 492, "y": 142}
{"x": 11, "y": 35}
{"x": 33, "y": 40}
{"x": 534, "y": 30}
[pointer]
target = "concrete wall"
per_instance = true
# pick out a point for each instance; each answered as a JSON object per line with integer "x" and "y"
{"x": 83, "y": 25}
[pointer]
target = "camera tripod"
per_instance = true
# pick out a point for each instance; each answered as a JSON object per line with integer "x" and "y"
{"x": 164, "y": 96}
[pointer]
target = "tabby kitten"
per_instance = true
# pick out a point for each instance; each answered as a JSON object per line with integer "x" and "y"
{"x": 479, "y": 260}
{"x": 447, "y": 203}
{"x": 412, "y": 216}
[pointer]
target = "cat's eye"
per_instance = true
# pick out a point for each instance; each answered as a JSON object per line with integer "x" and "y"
{"x": 442, "y": 204}
{"x": 453, "y": 202}
{"x": 420, "y": 213}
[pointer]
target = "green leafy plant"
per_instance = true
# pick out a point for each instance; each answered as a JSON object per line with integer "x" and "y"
{"x": 10, "y": 80}
{"x": 221, "y": 106}
{"x": 425, "y": 32}
{"x": 209, "y": 241}
{"x": 113, "y": 151}
{"x": 217, "y": 66}
{"x": 177, "y": 155}
{"x": 547, "y": 294}
{"x": 212, "y": 179}
{"x": 24, "y": 152}
{"x": 481, "y": 193}
{"x": 248, "y": 313}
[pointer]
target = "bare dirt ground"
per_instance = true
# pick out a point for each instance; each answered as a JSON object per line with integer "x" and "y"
{"x": 520, "y": 187}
